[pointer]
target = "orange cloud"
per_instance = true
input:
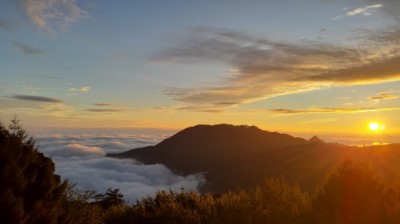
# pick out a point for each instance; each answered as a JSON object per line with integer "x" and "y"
{"x": 388, "y": 95}
{"x": 265, "y": 68}
{"x": 333, "y": 110}
{"x": 50, "y": 15}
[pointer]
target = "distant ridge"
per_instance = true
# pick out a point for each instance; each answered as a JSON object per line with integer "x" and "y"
{"x": 233, "y": 157}
{"x": 315, "y": 139}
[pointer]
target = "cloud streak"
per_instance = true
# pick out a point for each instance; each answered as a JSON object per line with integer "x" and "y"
{"x": 388, "y": 95}
{"x": 200, "y": 109}
{"x": 36, "y": 98}
{"x": 96, "y": 110}
{"x": 265, "y": 68}
{"x": 82, "y": 89}
{"x": 51, "y": 15}
{"x": 332, "y": 110}
{"x": 103, "y": 104}
{"x": 27, "y": 50}
{"x": 364, "y": 10}
{"x": 390, "y": 7}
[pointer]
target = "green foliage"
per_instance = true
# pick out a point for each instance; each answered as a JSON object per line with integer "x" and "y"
{"x": 30, "y": 192}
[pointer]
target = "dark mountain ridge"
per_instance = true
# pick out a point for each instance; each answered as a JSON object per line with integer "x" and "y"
{"x": 214, "y": 141}
{"x": 315, "y": 139}
{"x": 233, "y": 157}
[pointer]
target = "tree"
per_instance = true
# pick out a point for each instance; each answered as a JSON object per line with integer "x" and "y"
{"x": 30, "y": 192}
{"x": 110, "y": 198}
{"x": 352, "y": 195}
{"x": 82, "y": 206}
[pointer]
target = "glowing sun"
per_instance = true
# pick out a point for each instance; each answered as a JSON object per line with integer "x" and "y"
{"x": 375, "y": 126}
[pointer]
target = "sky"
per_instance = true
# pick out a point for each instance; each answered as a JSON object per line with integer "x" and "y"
{"x": 290, "y": 66}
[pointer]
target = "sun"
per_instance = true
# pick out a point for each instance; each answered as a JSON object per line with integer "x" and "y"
{"x": 375, "y": 126}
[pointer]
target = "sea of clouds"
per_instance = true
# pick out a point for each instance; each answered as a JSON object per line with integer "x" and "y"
{"x": 79, "y": 155}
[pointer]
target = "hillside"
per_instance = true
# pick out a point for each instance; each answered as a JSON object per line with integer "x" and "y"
{"x": 233, "y": 157}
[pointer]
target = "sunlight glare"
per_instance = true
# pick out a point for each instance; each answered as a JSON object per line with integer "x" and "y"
{"x": 375, "y": 126}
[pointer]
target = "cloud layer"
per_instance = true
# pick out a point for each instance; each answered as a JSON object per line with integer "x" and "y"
{"x": 79, "y": 157}
{"x": 263, "y": 68}
{"x": 78, "y": 150}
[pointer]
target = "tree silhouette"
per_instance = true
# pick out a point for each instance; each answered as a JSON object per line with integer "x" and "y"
{"x": 110, "y": 198}
{"x": 30, "y": 192}
{"x": 352, "y": 195}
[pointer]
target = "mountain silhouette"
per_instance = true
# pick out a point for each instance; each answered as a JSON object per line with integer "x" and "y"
{"x": 315, "y": 139}
{"x": 240, "y": 157}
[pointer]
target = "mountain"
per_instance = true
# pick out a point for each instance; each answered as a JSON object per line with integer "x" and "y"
{"x": 315, "y": 139}
{"x": 233, "y": 157}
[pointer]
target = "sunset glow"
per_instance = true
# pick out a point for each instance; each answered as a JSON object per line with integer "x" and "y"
{"x": 222, "y": 105}
{"x": 104, "y": 65}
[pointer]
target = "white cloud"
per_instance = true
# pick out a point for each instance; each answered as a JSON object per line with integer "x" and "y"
{"x": 79, "y": 157}
{"x": 358, "y": 11}
{"x": 51, "y": 15}
{"x": 82, "y": 89}
{"x": 133, "y": 179}
{"x": 75, "y": 149}
{"x": 363, "y": 11}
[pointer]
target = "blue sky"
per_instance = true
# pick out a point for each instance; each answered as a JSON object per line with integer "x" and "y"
{"x": 281, "y": 65}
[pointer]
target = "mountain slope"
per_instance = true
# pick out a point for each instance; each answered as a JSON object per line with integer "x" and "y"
{"x": 233, "y": 157}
